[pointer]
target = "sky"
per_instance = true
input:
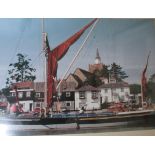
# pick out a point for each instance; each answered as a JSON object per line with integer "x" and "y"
{"x": 124, "y": 41}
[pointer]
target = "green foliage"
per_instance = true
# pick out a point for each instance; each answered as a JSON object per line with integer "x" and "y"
{"x": 102, "y": 73}
{"x": 135, "y": 89}
{"x": 20, "y": 71}
{"x": 151, "y": 91}
{"x": 6, "y": 91}
{"x": 117, "y": 72}
{"x": 93, "y": 81}
{"x": 152, "y": 78}
{"x": 114, "y": 71}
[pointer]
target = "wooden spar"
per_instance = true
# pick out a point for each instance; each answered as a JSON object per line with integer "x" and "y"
{"x": 45, "y": 62}
{"x": 77, "y": 54}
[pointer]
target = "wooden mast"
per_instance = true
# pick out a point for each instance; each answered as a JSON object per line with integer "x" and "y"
{"x": 45, "y": 63}
{"x": 143, "y": 98}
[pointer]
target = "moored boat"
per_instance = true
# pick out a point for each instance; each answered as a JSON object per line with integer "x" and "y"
{"x": 145, "y": 117}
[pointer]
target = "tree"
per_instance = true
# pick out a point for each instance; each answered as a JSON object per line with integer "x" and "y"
{"x": 151, "y": 91}
{"x": 113, "y": 70}
{"x": 5, "y": 91}
{"x": 152, "y": 78}
{"x": 94, "y": 81}
{"x": 104, "y": 72}
{"x": 117, "y": 72}
{"x": 21, "y": 70}
{"x": 135, "y": 89}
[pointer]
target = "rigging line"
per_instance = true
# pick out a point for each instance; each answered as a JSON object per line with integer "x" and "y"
{"x": 85, "y": 54}
{"x": 15, "y": 50}
{"x": 77, "y": 54}
{"x": 87, "y": 51}
{"x": 37, "y": 57}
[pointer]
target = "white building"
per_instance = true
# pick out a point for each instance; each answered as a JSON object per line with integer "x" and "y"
{"x": 115, "y": 92}
{"x": 25, "y": 97}
{"x": 87, "y": 97}
{"x": 30, "y": 95}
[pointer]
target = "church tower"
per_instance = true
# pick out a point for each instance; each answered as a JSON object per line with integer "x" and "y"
{"x": 98, "y": 64}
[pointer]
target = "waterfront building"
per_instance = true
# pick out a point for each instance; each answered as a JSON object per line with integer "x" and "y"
{"x": 115, "y": 92}
{"x": 87, "y": 97}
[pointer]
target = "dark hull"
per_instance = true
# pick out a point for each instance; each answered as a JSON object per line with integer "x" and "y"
{"x": 145, "y": 118}
{"x": 32, "y": 121}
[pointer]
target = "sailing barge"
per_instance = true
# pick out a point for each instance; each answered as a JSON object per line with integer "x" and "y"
{"x": 146, "y": 117}
{"x": 143, "y": 117}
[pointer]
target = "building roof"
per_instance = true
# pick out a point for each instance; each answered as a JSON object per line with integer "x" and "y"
{"x": 67, "y": 86}
{"x": 77, "y": 79}
{"x": 85, "y": 73}
{"x": 87, "y": 88}
{"x": 23, "y": 85}
{"x": 115, "y": 85}
{"x": 39, "y": 86}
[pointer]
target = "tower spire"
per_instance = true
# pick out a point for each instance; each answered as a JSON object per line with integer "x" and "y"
{"x": 98, "y": 58}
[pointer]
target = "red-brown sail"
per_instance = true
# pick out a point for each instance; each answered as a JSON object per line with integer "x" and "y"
{"x": 54, "y": 56}
{"x": 144, "y": 80}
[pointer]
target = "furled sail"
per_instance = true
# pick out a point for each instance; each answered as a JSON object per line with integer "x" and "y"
{"x": 144, "y": 80}
{"x": 53, "y": 56}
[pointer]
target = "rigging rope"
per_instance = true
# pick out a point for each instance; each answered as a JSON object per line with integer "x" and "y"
{"x": 83, "y": 55}
{"x": 15, "y": 50}
{"x": 77, "y": 54}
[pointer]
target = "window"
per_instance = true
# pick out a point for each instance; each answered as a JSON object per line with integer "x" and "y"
{"x": 20, "y": 94}
{"x": 106, "y": 90}
{"x": 13, "y": 94}
{"x": 94, "y": 95}
{"x": 127, "y": 95}
{"x": 122, "y": 89}
{"x": 82, "y": 95}
{"x": 68, "y": 94}
{"x": 115, "y": 97}
{"x": 37, "y": 94}
{"x": 114, "y": 89}
{"x": 68, "y": 104}
{"x": 28, "y": 94}
{"x": 38, "y": 105}
{"x": 106, "y": 98}
{"x": 122, "y": 98}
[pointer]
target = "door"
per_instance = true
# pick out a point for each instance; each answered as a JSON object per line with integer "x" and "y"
{"x": 30, "y": 107}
